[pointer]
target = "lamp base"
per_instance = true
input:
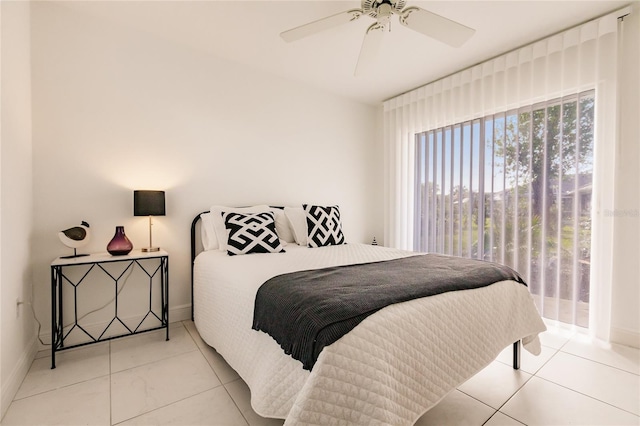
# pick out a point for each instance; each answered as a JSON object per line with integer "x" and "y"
{"x": 150, "y": 249}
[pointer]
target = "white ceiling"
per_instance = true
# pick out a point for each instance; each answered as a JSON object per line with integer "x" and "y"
{"x": 248, "y": 32}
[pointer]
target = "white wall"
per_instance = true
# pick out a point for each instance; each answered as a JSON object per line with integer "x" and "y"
{"x": 115, "y": 110}
{"x": 625, "y": 312}
{"x": 17, "y": 330}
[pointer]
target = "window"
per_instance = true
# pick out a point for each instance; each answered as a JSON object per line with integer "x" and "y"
{"x": 515, "y": 188}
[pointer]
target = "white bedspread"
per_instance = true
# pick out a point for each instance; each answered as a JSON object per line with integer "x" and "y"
{"x": 390, "y": 369}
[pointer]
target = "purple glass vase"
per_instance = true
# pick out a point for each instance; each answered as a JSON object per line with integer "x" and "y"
{"x": 119, "y": 244}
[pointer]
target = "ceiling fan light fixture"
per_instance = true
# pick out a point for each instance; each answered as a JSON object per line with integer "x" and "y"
{"x": 415, "y": 18}
{"x": 384, "y": 14}
{"x": 371, "y": 7}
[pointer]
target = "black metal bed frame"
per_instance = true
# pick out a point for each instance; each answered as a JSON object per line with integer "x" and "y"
{"x": 193, "y": 252}
{"x": 516, "y": 345}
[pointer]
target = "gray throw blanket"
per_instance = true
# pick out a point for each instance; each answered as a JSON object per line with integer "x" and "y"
{"x": 308, "y": 310}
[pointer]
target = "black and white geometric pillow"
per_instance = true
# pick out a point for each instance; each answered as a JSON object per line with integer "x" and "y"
{"x": 323, "y": 226}
{"x": 251, "y": 233}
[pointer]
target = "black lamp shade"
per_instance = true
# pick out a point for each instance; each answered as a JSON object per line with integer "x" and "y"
{"x": 148, "y": 203}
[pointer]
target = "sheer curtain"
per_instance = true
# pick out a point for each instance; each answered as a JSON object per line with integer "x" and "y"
{"x": 579, "y": 59}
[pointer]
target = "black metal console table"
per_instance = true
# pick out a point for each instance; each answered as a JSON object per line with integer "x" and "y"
{"x": 74, "y": 274}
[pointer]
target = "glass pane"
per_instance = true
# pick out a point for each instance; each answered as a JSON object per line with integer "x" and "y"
{"x": 439, "y": 191}
{"x": 429, "y": 192}
{"x": 456, "y": 194}
{"x": 524, "y": 193}
{"x": 553, "y": 177}
{"x": 568, "y": 233}
{"x": 499, "y": 195}
{"x": 536, "y": 283}
{"x": 511, "y": 190}
{"x": 488, "y": 189}
{"x": 466, "y": 178}
{"x": 433, "y": 212}
{"x": 474, "y": 193}
{"x": 418, "y": 232}
{"x": 447, "y": 190}
{"x": 585, "y": 170}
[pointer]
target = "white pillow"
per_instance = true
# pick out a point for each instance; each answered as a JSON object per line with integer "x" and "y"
{"x": 207, "y": 232}
{"x": 298, "y": 221}
{"x": 282, "y": 226}
{"x": 218, "y": 222}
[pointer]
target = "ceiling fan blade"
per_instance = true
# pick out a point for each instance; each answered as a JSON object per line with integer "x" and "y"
{"x": 320, "y": 25}
{"x": 370, "y": 47}
{"x": 436, "y": 26}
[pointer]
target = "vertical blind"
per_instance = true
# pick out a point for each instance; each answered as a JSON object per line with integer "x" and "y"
{"x": 577, "y": 60}
{"x": 515, "y": 188}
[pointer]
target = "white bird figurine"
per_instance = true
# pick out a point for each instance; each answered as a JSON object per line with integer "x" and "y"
{"x": 76, "y": 237}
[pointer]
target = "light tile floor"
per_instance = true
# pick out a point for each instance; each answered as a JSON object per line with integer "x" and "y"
{"x": 144, "y": 380}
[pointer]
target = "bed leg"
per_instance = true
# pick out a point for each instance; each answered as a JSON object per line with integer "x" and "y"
{"x": 516, "y": 355}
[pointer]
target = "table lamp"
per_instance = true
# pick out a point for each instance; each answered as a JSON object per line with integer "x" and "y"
{"x": 148, "y": 203}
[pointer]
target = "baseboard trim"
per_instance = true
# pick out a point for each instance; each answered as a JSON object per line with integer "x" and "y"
{"x": 180, "y": 313}
{"x": 12, "y": 384}
{"x": 625, "y": 337}
{"x": 176, "y": 314}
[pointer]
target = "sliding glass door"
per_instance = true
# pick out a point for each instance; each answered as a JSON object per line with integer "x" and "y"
{"x": 515, "y": 188}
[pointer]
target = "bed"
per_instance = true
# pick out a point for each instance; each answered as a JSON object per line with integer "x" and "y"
{"x": 390, "y": 368}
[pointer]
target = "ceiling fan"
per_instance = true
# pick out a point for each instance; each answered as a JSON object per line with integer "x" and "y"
{"x": 415, "y": 18}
